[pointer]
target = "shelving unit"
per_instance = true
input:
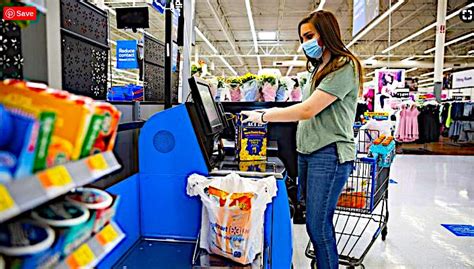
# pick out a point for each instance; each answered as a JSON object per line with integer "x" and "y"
{"x": 90, "y": 253}
{"x": 24, "y": 194}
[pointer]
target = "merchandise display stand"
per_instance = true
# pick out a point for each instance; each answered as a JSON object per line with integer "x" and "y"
{"x": 90, "y": 253}
{"x": 22, "y": 195}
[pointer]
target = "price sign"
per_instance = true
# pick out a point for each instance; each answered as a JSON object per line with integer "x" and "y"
{"x": 107, "y": 235}
{"x": 82, "y": 257}
{"x": 97, "y": 162}
{"x": 6, "y": 200}
{"x": 402, "y": 94}
{"x": 55, "y": 177}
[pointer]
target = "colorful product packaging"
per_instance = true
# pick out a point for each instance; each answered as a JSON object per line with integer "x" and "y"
{"x": 101, "y": 204}
{"x": 352, "y": 199}
{"x": 28, "y": 244}
{"x": 251, "y": 140}
{"x": 72, "y": 119}
{"x": 253, "y": 166}
{"x": 17, "y": 152}
{"x": 105, "y": 139}
{"x": 71, "y": 126}
{"x": 72, "y": 223}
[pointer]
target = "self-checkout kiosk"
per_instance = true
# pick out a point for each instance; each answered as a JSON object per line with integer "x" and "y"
{"x": 162, "y": 223}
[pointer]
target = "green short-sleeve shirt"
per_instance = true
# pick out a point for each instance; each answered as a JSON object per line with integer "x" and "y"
{"x": 335, "y": 123}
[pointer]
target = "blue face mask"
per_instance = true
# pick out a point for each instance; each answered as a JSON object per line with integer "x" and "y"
{"x": 312, "y": 48}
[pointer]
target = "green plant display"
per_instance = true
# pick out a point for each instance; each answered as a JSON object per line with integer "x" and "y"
{"x": 247, "y": 77}
{"x": 234, "y": 81}
{"x": 268, "y": 78}
{"x": 220, "y": 82}
{"x": 195, "y": 69}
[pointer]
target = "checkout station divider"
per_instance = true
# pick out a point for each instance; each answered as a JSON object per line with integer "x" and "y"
{"x": 154, "y": 204}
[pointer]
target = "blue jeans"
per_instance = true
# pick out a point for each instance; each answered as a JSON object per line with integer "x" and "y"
{"x": 321, "y": 179}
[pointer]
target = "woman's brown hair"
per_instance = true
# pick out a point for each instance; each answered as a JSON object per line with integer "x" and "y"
{"x": 330, "y": 34}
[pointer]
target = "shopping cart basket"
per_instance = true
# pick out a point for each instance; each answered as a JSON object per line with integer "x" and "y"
{"x": 362, "y": 211}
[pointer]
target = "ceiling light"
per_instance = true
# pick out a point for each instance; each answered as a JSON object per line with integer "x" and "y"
{"x": 216, "y": 16}
{"x": 470, "y": 52}
{"x": 370, "y": 74}
{"x": 371, "y": 58}
{"x": 267, "y": 35}
{"x": 411, "y": 70}
{"x": 214, "y": 50}
{"x": 426, "y": 28}
{"x": 291, "y": 67}
{"x": 259, "y": 63}
{"x": 374, "y": 23}
{"x": 321, "y": 5}
{"x": 452, "y": 41}
{"x": 228, "y": 65}
{"x": 432, "y": 73}
{"x": 426, "y": 80}
{"x": 201, "y": 35}
{"x": 408, "y": 59}
{"x": 426, "y": 85}
{"x": 252, "y": 25}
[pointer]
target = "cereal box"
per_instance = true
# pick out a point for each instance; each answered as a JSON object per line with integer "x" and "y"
{"x": 251, "y": 140}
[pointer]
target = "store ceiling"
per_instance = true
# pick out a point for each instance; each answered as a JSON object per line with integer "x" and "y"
{"x": 226, "y": 25}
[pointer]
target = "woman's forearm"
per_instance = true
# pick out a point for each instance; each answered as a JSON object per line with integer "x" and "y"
{"x": 287, "y": 114}
{"x": 316, "y": 103}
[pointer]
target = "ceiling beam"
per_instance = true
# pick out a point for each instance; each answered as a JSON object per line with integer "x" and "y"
{"x": 225, "y": 29}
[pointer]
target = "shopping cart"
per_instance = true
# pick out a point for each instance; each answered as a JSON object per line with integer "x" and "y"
{"x": 362, "y": 211}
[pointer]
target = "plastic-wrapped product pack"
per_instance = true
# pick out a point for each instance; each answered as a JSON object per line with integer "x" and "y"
{"x": 232, "y": 214}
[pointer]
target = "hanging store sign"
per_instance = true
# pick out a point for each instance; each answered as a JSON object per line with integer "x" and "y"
{"x": 463, "y": 79}
{"x": 364, "y": 12}
{"x": 159, "y": 5}
{"x": 127, "y": 54}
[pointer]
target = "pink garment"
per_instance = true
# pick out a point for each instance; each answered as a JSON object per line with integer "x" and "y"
{"x": 269, "y": 92}
{"x": 408, "y": 125}
{"x": 400, "y": 135}
{"x": 369, "y": 98}
{"x": 296, "y": 94}
{"x": 413, "y": 123}
{"x": 235, "y": 95}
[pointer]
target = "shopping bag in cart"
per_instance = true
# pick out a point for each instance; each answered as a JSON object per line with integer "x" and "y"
{"x": 232, "y": 214}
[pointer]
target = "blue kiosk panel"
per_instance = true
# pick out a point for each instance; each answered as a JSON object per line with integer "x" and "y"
{"x": 168, "y": 153}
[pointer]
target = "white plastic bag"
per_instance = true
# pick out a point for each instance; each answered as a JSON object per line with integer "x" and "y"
{"x": 233, "y": 214}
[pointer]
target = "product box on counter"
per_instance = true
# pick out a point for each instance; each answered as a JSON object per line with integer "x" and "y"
{"x": 251, "y": 140}
{"x": 253, "y": 166}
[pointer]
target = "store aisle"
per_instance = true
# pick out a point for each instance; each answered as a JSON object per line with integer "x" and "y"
{"x": 431, "y": 190}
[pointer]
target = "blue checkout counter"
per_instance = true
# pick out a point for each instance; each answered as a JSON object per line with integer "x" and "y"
{"x": 161, "y": 222}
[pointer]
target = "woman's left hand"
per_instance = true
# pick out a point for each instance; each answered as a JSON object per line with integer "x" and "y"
{"x": 253, "y": 116}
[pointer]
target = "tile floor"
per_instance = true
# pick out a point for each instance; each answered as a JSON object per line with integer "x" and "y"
{"x": 431, "y": 190}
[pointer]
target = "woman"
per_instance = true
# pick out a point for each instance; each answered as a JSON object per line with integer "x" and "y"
{"x": 325, "y": 141}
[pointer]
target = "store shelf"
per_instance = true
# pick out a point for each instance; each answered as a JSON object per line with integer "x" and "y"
{"x": 89, "y": 254}
{"x": 24, "y": 194}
